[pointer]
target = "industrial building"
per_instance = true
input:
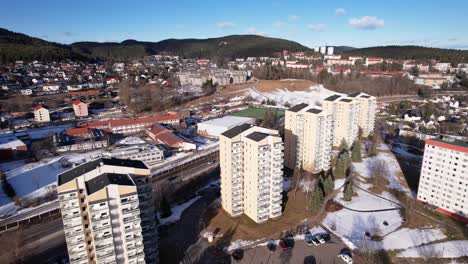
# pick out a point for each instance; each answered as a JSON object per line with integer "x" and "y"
{"x": 214, "y": 127}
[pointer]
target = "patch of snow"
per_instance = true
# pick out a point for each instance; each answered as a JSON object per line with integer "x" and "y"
{"x": 177, "y": 211}
{"x": 286, "y": 184}
{"x": 339, "y": 183}
{"x": 366, "y": 201}
{"x": 313, "y": 96}
{"x": 240, "y": 244}
{"x": 406, "y": 238}
{"x": 448, "y": 249}
{"x": 131, "y": 141}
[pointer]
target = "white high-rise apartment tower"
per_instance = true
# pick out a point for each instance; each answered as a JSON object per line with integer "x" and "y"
{"x": 367, "y": 105}
{"x": 251, "y": 161}
{"x": 444, "y": 177}
{"x": 308, "y": 138}
{"x": 108, "y": 213}
{"x": 345, "y": 112}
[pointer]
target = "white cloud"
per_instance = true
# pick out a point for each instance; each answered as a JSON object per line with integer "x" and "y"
{"x": 293, "y": 18}
{"x": 340, "y": 11}
{"x": 279, "y": 24}
{"x": 366, "y": 23}
{"x": 317, "y": 27}
{"x": 225, "y": 24}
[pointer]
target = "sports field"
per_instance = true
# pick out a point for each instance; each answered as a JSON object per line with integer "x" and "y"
{"x": 257, "y": 112}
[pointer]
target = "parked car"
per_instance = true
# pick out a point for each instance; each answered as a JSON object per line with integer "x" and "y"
{"x": 311, "y": 240}
{"x": 286, "y": 243}
{"x": 346, "y": 258}
{"x": 325, "y": 236}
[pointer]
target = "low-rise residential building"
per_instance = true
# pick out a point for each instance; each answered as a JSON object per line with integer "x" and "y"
{"x": 41, "y": 114}
{"x": 331, "y": 62}
{"x": 251, "y": 161}
{"x": 108, "y": 213}
{"x": 372, "y": 61}
{"x": 149, "y": 154}
{"x": 444, "y": 177}
{"x": 80, "y": 108}
{"x": 308, "y": 138}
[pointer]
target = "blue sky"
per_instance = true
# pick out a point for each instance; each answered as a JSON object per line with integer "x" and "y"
{"x": 355, "y": 23}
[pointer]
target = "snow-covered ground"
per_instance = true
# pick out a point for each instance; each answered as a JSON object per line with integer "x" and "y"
{"x": 313, "y": 96}
{"x": 177, "y": 211}
{"x": 35, "y": 177}
{"x": 392, "y": 173}
{"x": 448, "y": 249}
{"x": 339, "y": 183}
{"x": 405, "y": 238}
{"x": 367, "y": 201}
{"x": 286, "y": 184}
{"x": 131, "y": 141}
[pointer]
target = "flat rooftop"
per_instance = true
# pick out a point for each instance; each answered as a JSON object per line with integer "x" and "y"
{"x": 76, "y": 172}
{"x": 257, "y": 136}
{"x": 103, "y": 180}
{"x": 230, "y": 133}
{"x": 298, "y": 107}
{"x": 333, "y": 97}
{"x": 228, "y": 120}
{"x": 451, "y": 141}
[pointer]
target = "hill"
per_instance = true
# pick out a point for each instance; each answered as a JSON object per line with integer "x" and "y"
{"x": 16, "y": 46}
{"x": 412, "y": 53}
{"x": 228, "y": 46}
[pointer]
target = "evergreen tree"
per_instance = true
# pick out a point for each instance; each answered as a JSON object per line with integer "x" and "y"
{"x": 287, "y": 104}
{"x": 372, "y": 150}
{"x": 343, "y": 146}
{"x": 330, "y": 183}
{"x": 165, "y": 208}
{"x": 356, "y": 151}
{"x": 348, "y": 191}
{"x": 341, "y": 166}
{"x": 317, "y": 199}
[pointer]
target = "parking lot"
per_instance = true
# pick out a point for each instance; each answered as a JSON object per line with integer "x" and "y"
{"x": 300, "y": 253}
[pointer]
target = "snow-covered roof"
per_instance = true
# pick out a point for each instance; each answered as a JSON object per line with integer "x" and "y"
{"x": 10, "y": 143}
{"x": 228, "y": 121}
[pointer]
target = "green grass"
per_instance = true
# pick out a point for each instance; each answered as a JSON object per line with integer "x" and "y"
{"x": 257, "y": 112}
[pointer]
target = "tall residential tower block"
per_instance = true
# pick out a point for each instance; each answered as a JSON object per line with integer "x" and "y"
{"x": 251, "y": 161}
{"x": 308, "y": 138}
{"x": 108, "y": 213}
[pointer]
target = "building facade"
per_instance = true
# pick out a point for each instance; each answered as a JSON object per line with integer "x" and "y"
{"x": 308, "y": 138}
{"x": 41, "y": 114}
{"x": 366, "y": 112}
{"x": 444, "y": 177}
{"x": 345, "y": 112}
{"x": 108, "y": 213}
{"x": 80, "y": 108}
{"x": 251, "y": 161}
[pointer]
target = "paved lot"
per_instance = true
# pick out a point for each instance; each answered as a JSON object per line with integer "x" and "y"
{"x": 325, "y": 254}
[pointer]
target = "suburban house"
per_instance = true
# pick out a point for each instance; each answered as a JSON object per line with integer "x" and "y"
{"x": 41, "y": 114}
{"x": 80, "y": 108}
{"x": 11, "y": 147}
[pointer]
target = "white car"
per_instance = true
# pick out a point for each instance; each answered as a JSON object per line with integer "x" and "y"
{"x": 346, "y": 258}
{"x": 320, "y": 239}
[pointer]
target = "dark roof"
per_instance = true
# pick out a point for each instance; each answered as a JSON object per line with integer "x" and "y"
{"x": 298, "y": 107}
{"x": 346, "y": 100}
{"x": 103, "y": 180}
{"x": 314, "y": 111}
{"x": 365, "y": 96}
{"x": 230, "y": 133}
{"x": 333, "y": 97}
{"x": 257, "y": 136}
{"x": 354, "y": 94}
{"x": 89, "y": 166}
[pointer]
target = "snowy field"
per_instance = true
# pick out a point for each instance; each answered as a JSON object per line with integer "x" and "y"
{"x": 367, "y": 201}
{"x": 35, "y": 177}
{"x": 313, "y": 96}
{"x": 448, "y": 249}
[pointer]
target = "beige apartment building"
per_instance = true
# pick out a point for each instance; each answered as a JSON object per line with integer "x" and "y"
{"x": 251, "y": 161}
{"x": 345, "y": 112}
{"x": 108, "y": 213}
{"x": 367, "y": 106}
{"x": 308, "y": 138}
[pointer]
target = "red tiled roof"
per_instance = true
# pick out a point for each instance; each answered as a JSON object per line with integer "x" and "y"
{"x": 77, "y": 131}
{"x": 77, "y": 102}
{"x": 383, "y": 72}
{"x": 89, "y": 92}
{"x": 126, "y": 122}
{"x": 39, "y": 106}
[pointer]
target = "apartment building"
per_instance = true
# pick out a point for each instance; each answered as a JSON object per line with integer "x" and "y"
{"x": 251, "y": 161}
{"x": 345, "y": 112}
{"x": 151, "y": 155}
{"x": 80, "y": 108}
{"x": 108, "y": 213}
{"x": 444, "y": 177}
{"x": 41, "y": 114}
{"x": 308, "y": 138}
{"x": 366, "y": 113}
